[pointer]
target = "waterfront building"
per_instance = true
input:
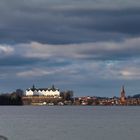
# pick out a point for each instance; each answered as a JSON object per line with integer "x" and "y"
{"x": 50, "y": 92}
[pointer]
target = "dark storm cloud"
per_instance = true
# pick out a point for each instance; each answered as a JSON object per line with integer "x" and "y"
{"x": 21, "y": 61}
{"x": 65, "y": 22}
{"x": 15, "y": 61}
{"x": 124, "y": 21}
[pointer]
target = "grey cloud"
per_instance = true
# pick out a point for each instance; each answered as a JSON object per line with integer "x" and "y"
{"x": 16, "y": 61}
{"x": 123, "y": 21}
{"x": 38, "y": 54}
{"x": 67, "y": 22}
{"x": 80, "y": 76}
{"x": 21, "y": 61}
{"x": 121, "y": 50}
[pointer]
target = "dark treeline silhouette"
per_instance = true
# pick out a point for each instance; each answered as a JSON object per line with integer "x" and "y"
{"x": 14, "y": 98}
{"x": 67, "y": 95}
{"x": 136, "y": 96}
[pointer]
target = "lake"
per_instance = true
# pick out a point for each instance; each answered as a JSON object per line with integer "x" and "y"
{"x": 70, "y": 122}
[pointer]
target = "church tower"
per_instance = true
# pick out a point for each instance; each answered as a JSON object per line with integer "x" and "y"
{"x": 123, "y": 97}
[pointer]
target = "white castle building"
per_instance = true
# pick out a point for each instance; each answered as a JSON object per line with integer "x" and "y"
{"x": 51, "y": 92}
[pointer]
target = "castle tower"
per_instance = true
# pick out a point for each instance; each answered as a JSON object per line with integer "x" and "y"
{"x": 123, "y": 97}
{"x": 33, "y": 88}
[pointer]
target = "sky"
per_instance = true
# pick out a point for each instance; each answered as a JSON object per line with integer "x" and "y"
{"x": 89, "y": 46}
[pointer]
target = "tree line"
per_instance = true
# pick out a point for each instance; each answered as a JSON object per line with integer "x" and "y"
{"x": 14, "y": 98}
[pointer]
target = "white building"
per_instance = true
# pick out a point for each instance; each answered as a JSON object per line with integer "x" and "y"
{"x": 50, "y": 92}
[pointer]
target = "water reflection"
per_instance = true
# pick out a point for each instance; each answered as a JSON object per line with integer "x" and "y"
{"x": 3, "y": 138}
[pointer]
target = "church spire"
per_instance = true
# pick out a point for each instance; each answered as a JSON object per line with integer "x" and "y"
{"x": 123, "y": 98}
{"x": 123, "y": 92}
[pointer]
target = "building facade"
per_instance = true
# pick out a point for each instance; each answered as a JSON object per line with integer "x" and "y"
{"x": 50, "y": 92}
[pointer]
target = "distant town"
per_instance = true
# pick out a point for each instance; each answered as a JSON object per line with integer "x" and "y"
{"x": 53, "y": 96}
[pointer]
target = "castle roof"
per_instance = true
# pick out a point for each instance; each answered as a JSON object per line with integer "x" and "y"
{"x": 41, "y": 89}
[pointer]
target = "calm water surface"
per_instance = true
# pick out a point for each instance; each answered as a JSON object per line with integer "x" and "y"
{"x": 69, "y": 123}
